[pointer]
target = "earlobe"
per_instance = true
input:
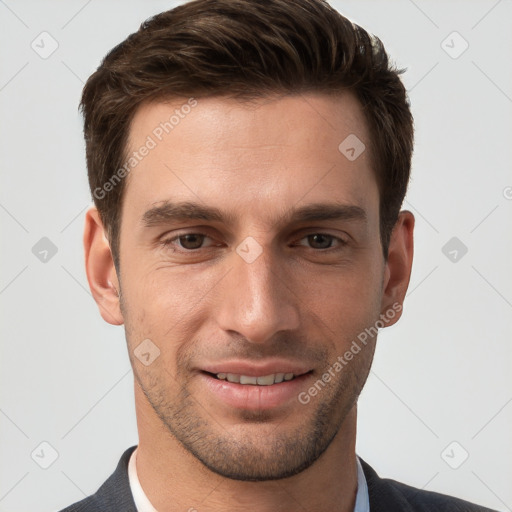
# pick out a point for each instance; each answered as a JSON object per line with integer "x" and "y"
{"x": 398, "y": 266}
{"x": 100, "y": 269}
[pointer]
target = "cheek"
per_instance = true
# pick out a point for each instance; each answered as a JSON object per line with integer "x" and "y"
{"x": 165, "y": 305}
{"x": 168, "y": 292}
{"x": 354, "y": 289}
{"x": 341, "y": 305}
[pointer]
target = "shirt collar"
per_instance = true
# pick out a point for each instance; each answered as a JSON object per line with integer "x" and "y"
{"x": 362, "y": 497}
{"x": 143, "y": 504}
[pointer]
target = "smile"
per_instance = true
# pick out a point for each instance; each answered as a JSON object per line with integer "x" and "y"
{"x": 255, "y": 392}
{"x": 264, "y": 380}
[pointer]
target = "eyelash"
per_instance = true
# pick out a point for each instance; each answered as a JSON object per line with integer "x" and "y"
{"x": 169, "y": 242}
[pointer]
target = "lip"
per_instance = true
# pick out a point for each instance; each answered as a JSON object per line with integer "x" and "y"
{"x": 256, "y": 369}
{"x": 250, "y": 397}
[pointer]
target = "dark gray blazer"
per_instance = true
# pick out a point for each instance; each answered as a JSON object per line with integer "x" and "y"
{"x": 385, "y": 495}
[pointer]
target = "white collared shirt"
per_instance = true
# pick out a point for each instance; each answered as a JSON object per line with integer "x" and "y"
{"x": 143, "y": 504}
{"x": 362, "y": 497}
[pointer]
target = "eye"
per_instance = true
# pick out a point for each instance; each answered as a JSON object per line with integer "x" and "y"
{"x": 187, "y": 241}
{"x": 323, "y": 241}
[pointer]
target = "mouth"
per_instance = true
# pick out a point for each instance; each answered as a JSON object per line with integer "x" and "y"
{"x": 256, "y": 392}
{"x": 255, "y": 380}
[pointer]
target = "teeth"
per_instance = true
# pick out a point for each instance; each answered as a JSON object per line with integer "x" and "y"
{"x": 268, "y": 380}
{"x": 264, "y": 380}
{"x": 248, "y": 380}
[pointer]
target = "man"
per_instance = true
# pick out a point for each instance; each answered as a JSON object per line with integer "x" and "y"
{"x": 248, "y": 161}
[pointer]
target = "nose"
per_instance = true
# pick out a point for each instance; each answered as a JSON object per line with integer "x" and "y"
{"x": 255, "y": 300}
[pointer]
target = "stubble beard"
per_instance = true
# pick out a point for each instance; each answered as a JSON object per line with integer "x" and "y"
{"x": 260, "y": 446}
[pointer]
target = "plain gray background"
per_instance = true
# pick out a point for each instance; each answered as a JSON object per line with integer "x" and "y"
{"x": 440, "y": 387}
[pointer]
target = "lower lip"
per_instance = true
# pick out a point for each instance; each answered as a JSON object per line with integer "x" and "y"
{"x": 253, "y": 397}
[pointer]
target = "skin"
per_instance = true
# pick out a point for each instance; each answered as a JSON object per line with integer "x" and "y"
{"x": 304, "y": 298}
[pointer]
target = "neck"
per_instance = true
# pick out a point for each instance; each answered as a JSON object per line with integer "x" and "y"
{"x": 174, "y": 480}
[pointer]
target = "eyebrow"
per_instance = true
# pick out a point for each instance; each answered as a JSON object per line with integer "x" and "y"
{"x": 168, "y": 212}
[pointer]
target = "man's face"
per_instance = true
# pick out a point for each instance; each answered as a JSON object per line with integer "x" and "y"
{"x": 257, "y": 290}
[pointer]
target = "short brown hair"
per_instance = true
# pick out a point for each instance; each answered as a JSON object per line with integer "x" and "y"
{"x": 246, "y": 49}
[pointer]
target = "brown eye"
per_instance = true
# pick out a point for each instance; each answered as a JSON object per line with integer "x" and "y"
{"x": 191, "y": 241}
{"x": 320, "y": 241}
{"x": 187, "y": 242}
{"x": 323, "y": 242}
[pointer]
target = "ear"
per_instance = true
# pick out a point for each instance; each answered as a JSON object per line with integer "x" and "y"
{"x": 398, "y": 266}
{"x": 100, "y": 269}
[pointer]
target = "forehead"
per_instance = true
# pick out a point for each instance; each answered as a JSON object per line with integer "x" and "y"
{"x": 255, "y": 158}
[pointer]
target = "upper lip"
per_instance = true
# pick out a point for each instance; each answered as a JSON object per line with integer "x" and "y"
{"x": 252, "y": 369}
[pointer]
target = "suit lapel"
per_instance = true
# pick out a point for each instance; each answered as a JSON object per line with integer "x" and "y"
{"x": 383, "y": 496}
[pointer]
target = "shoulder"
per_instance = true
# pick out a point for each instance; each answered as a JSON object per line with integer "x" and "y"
{"x": 389, "y": 495}
{"x": 114, "y": 495}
